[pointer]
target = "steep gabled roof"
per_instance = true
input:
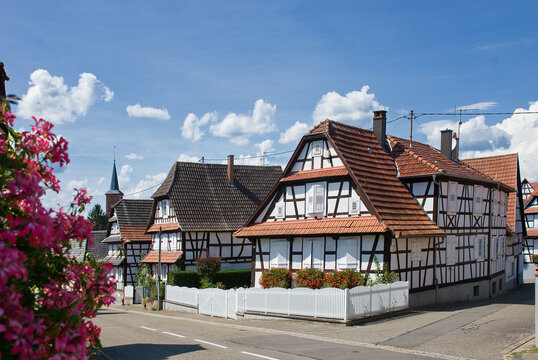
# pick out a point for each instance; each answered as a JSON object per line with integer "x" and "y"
{"x": 132, "y": 216}
{"x": 204, "y": 200}
{"x": 98, "y": 250}
{"x": 503, "y": 168}
{"x": 374, "y": 173}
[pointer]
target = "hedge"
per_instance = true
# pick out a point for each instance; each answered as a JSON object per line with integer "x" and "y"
{"x": 230, "y": 278}
{"x": 233, "y": 278}
{"x": 184, "y": 278}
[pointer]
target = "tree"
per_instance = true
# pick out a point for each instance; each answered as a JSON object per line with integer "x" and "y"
{"x": 47, "y": 299}
{"x": 97, "y": 217}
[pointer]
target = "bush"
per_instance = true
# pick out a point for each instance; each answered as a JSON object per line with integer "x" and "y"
{"x": 205, "y": 283}
{"x": 345, "y": 279}
{"x": 277, "y": 277}
{"x": 310, "y": 278}
{"x": 382, "y": 276}
{"x": 535, "y": 258}
{"x": 208, "y": 267}
{"x": 153, "y": 291}
{"x": 234, "y": 278}
{"x": 184, "y": 278}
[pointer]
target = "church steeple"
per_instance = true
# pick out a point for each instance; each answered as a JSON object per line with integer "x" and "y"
{"x": 113, "y": 195}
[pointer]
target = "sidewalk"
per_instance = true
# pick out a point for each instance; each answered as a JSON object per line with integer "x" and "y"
{"x": 525, "y": 349}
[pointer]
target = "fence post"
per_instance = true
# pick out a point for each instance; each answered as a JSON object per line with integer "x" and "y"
{"x": 536, "y": 306}
{"x": 226, "y": 307}
{"x": 346, "y": 304}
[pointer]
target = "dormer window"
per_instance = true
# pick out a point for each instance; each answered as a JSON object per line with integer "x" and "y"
{"x": 115, "y": 229}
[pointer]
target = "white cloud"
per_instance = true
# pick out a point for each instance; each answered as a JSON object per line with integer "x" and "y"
{"x": 50, "y": 98}
{"x": 523, "y": 132}
{"x": 294, "y": 133}
{"x": 475, "y": 134}
{"x": 142, "y": 188}
{"x": 101, "y": 180}
{"x": 187, "y": 158}
{"x": 134, "y": 156}
{"x": 192, "y": 124}
{"x": 484, "y": 105}
{"x": 239, "y": 127}
{"x": 138, "y": 111}
{"x": 354, "y": 106}
{"x": 124, "y": 175}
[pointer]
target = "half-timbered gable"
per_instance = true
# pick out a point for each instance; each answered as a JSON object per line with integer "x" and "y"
{"x": 198, "y": 208}
{"x": 434, "y": 221}
{"x": 531, "y": 238}
{"x": 528, "y": 188}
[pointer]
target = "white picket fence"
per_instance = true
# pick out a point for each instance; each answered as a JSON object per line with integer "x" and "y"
{"x": 326, "y": 303}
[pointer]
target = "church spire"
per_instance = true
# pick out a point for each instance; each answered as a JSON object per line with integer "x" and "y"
{"x": 113, "y": 195}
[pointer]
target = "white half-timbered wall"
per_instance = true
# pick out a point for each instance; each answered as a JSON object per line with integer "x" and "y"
{"x": 236, "y": 253}
{"x": 462, "y": 211}
{"x": 134, "y": 251}
{"x": 324, "y": 253}
{"x": 164, "y": 212}
{"x": 530, "y": 246}
{"x": 318, "y": 154}
{"x": 319, "y": 199}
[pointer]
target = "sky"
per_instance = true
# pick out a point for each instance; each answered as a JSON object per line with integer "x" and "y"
{"x": 150, "y": 83}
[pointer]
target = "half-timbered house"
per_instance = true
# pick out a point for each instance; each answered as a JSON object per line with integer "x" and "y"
{"x": 528, "y": 188}
{"x": 530, "y": 243}
{"x": 350, "y": 195}
{"x": 505, "y": 168}
{"x": 197, "y": 209}
{"x": 127, "y": 238}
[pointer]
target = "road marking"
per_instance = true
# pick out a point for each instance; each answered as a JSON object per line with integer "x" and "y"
{"x": 210, "y": 343}
{"x": 147, "y": 328}
{"x": 258, "y": 355}
{"x": 169, "y": 333}
{"x": 306, "y": 336}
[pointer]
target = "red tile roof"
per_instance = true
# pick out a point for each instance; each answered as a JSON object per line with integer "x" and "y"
{"x": 373, "y": 169}
{"x": 316, "y": 173}
{"x": 347, "y": 225}
{"x": 532, "y": 210}
{"x": 134, "y": 234}
{"x": 164, "y": 227}
{"x": 422, "y": 159}
{"x": 502, "y": 168}
{"x": 167, "y": 257}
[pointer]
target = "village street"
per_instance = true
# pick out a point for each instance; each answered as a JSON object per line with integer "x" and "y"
{"x": 481, "y": 330}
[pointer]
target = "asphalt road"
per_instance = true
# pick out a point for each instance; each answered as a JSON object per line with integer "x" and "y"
{"x": 482, "y": 330}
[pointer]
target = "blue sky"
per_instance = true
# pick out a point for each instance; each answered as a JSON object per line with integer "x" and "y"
{"x": 211, "y": 78}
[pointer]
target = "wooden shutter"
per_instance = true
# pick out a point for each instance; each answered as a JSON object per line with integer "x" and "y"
{"x": 317, "y": 254}
{"x": 354, "y": 204}
{"x": 173, "y": 242}
{"x": 347, "y": 254}
{"x": 452, "y": 197}
{"x": 310, "y": 200}
{"x": 319, "y": 199}
{"x": 279, "y": 254}
{"x": 451, "y": 252}
{"x": 478, "y": 200}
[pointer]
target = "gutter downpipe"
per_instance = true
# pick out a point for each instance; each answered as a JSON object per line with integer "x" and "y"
{"x": 435, "y": 282}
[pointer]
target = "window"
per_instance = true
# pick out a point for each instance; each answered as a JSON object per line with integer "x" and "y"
{"x": 173, "y": 242}
{"x": 115, "y": 229}
{"x": 478, "y": 200}
{"x": 155, "y": 239}
{"x": 279, "y": 254}
{"x": 451, "y": 252}
{"x": 317, "y": 149}
{"x": 347, "y": 254}
{"x": 452, "y": 198}
{"x": 476, "y": 290}
{"x": 313, "y": 253}
{"x": 315, "y": 199}
{"x": 530, "y": 221}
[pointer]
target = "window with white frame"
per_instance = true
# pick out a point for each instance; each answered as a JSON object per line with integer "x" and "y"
{"x": 452, "y": 197}
{"x": 451, "y": 251}
{"x": 354, "y": 204}
{"x": 315, "y": 199}
{"x": 114, "y": 228}
{"x": 313, "y": 253}
{"x": 280, "y": 210}
{"x": 279, "y": 254}
{"x": 347, "y": 253}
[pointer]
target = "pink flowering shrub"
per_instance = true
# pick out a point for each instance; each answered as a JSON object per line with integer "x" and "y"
{"x": 46, "y": 298}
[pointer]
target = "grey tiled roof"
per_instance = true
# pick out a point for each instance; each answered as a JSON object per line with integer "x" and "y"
{"x": 114, "y": 260}
{"x": 78, "y": 250}
{"x": 204, "y": 200}
{"x": 112, "y": 239}
{"x": 98, "y": 250}
{"x": 131, "y": 212}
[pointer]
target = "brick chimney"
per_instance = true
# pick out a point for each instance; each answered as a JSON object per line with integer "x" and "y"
{"x": 446, "y": 143}
{"x": 230, "y": 169}
{"x": 380, "y": 127}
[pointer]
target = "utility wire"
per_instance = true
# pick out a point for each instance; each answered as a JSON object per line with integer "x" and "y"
{"x": 141, "y": 191}
{"x": 254, "y": 157}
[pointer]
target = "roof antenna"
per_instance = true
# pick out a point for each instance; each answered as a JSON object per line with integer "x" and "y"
{"x": 411, "y": 131}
